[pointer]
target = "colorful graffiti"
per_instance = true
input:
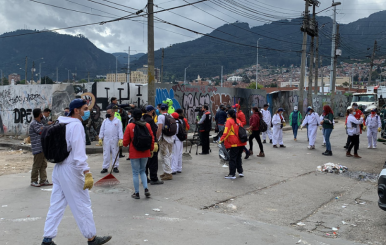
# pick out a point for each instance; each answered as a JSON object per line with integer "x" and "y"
{"x": 163, "y": 94}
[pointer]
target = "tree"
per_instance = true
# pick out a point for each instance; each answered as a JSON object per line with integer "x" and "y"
{"x": 46, "y": 80}
{"x": 4, "y": 81}
{"x": 83, "y": 81}
{"x": 345, "y": 84}
{"x": 253, "y": 86}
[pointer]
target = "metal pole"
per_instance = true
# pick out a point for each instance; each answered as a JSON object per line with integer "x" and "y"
{"x": 116, "y": 68}
{"x": 68, "y": 76}
{"x": 257, "y": 60}
{"x": 162, "y": 65}
{"x": 352, "y": 79}
{"x": 310, "y": 70}
{"x": 150, "y": 51}
{"x": 333, "y": 47}
{"x": 40, "y": 73}
{"x": 334, "y": 72}
{"x": 26, "y": 60}
{"x": 128, "y": 66}
{"x": 185, "y": 77}
{"x": 304, "y": 58}
{"x": 316, "y": 65}
{"x": 57, "y": 80}
{"x": 222, "y": 75}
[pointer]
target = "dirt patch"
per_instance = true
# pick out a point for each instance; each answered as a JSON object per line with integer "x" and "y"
{"x": 14, "y": 162}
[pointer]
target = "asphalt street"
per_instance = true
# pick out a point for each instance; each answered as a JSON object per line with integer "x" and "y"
{"x": 281, "y": 200}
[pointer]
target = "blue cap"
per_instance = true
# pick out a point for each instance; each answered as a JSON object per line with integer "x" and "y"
{"x": 76, "y": 103}
{"x": 164, "y": 107}
{"x": 150, "y": 108}
{"x": 280, "y": 109}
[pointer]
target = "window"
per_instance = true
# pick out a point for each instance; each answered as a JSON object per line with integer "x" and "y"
{"x": 363, "y": 98}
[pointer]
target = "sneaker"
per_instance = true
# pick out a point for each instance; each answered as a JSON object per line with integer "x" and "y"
{"x": 275, "y": 146}
{"x": 264, "y": 141}
{"x": 104, "y": 171}
{"x": 230, "y": 177}
{"x": 148, "y": 181}
{"x": 174, "y": 173}
{"x": 158, "y": 182}
{"x": 35, "y": 184}
{"x": 313, "y": 147}
{"x": 128, "y": 159}
{"x": 100, "y": 240}
{"x": 324, "y": 144}
{"x": 295, "y": 139}
{"x": 45, "y": 183}
{"x": 135, "y": 195}
{"x": 345, "y": 147}
{"x": 261, "y": 154}
{"x": 48, "y": 243}
{"x": 283, "y": 146}
{"x": 369, "y": 147}
{"x": 246, "y": 155}
{"x": 374, "y": 147}
{"x": 348, "y": 154}
{"x": 309, "y": 147}
{"x": 357, "y": 156}
{"x": 116, "y": 170}
{"x": 167, "y": 177}
{"x": 121, "y": 156}
{"x": 241, "y": 175}
{"x": 147, "y": 193}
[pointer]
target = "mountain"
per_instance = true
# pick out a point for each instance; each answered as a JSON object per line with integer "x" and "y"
{"x": 280, "y": 45}
{"x": 75, "y": 53}
{"x": 122, "y": 57}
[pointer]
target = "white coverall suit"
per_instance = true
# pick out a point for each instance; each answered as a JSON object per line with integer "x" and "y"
{"x": 111, "y": 132}
{"x": 177, "y": 151}
{"x": 373, "y": 123}
{"x": 313, "y": 122}
{"x": 267, "y": 119}
{"x": 277, "y": 137}
{"x": 68, "y": 183}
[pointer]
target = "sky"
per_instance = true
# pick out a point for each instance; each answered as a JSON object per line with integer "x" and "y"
{"x": 119, "y": 35}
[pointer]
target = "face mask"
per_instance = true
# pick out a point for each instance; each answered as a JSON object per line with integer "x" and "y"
{"x": 296, "y": 110}
{"x": 354, "y": 113}
{"x": 66, "y": 114}
{"x": 355, "y": 107}
{"x": 86, "y": 115}
{"x": 108, "y": 115}
{"x": 157, "y": 111}
{"x": 251, "y": 112}
{"x": 309, "y": 113}
{"x": 129, "y": 116}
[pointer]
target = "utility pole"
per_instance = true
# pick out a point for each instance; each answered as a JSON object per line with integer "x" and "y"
{"x": 257, "y": 60}
{"x": 26, "y": 61}
{"x": 150, "y": 52}
{"x": 372, "y": 62}
{"x": 32, "y": 71}
{"x": 222, "y": 75}
{"x": 128, "y": 66}
{"x": 162, "y": 65}
{"x": 333, "y": 48}
{"x": 322, "y": 75}
{"x": 40, "y": 72}
{"x": 316, "y": 65}
{"x": 334, "y": 68}
{"x": 304, "y": 57}
{"x": 57, "y": 80}
{"x": 116, "y": 68}
{"x": 310, "y": 74}
{"x": 88, "y": 76}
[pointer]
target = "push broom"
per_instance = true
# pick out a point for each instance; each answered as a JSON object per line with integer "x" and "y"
{"x": 108, "y": 179}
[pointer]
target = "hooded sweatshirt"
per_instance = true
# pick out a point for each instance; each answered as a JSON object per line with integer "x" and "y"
{"x": 76, "y": 143}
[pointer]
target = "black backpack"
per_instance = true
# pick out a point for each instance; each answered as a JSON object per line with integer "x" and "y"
{"x": 54, "y": 142}
{"x": 262, "y": 126}
{"x": 181, "y": 134}
{"x": 170, "y": 127}
{"x": 242, "y": 134}
{"x": 142, "y": 138}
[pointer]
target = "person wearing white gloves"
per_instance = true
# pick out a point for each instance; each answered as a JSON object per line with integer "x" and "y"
{"x": 278, "y": 123}
{"x": 111, "y": 136}
{"x": 374, "y": 125}
{"x": 353, "y": 131}
{"x": 72, "y": 181}
{"x": 312, "y": 120}
{"x": 267, "y": 119}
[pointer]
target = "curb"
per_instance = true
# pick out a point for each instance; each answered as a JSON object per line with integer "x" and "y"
{"x": 13, "y": 146}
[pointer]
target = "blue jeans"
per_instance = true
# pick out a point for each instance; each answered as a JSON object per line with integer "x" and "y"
{"x": 138, "y": 166}
{"x": 327, "y": 134}
{"x": 295, "y": 128}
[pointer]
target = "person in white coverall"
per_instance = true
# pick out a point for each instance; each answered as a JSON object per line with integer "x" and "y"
{"x": 267, "y": 119}
{"x": 111, "y": 136}
{"x": 312, "y": 120}
{"x": 177, "y": 147}
{"x": 72, "y": 181}
{"x": 278, "y": 123}
{"x": 373, "y": 123}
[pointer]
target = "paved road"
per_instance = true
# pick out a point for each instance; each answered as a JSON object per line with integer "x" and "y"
{"x": 200, "y": 207}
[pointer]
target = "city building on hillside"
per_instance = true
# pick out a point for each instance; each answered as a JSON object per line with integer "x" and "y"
{"x": 101, "y": 76}
{"x": 157, "y": 73}
{"x": 235, "y": 79}
{"x": 138, "y": 77}
{"x": 340, "y": 81}
{"x": 121, "y": 77}
{"x": 13, "y": 78}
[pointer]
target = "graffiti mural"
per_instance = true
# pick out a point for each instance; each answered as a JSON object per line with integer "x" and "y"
{"x": 163, "y": 94}
{"x": 218, "y": 99}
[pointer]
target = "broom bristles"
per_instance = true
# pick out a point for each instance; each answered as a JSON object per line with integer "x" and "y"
{"x": 107, "y": 180}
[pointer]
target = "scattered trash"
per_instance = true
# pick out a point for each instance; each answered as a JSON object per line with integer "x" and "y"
{"x": 345, "y": 223}
{"x": 232, "y": 199}
{"x": 147, "y": 214}
{"x": 336, "y": 197}
{"x": 46, "y": 189}
{"x": 300, "y": 224}
{"x": 299, "y": 241}
{"x": 232, "y": 207}
{"x": 145, "y": 240}
{"x": 4, "y": 206}
{"x": 335, "y": 229}
{"x": 362, "y": 203}
{"x": 328, "y": 234}
{"x": 332, "y": 168}
{"x": 334, "y": 233}
{"x": 344, "y": 206}
{"x": 353, "y": 225}
{"x": 156, "y": 210}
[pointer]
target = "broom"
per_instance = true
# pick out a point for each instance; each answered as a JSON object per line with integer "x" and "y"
{"x": 108, "y": 179}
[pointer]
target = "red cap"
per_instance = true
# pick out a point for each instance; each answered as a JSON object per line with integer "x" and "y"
{"x": 175, "y": 115}
{"x": 237, "y": 106}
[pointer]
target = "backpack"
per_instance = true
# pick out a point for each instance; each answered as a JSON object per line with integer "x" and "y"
{"x": 170, "y": 126}
{"x": 242, "y": 134}
{"x": 262, "y": 126}
{"x": 181, "y": 134}
{"x": 54, "y": 144}
{"x": 142, "y": 138}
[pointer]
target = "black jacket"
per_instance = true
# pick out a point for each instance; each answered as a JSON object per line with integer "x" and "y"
{"x": 153, "y": 126}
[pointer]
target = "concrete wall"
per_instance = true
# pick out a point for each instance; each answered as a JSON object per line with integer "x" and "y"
{"x": 17, "y": 102}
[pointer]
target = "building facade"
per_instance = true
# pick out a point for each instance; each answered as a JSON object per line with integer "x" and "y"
{"x": 121, "y": 77}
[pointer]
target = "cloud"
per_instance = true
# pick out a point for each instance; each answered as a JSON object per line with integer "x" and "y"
{"x": 117, "y": 36}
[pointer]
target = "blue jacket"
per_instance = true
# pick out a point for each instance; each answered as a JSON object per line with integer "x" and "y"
{"x": 221, "y": 117}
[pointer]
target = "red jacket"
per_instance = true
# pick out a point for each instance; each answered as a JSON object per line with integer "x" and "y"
{"x": 241, "y": 117}
{"x": 128, "y": 139}
{"x": 230, "y": 135}
{"x": 254, "y": 121}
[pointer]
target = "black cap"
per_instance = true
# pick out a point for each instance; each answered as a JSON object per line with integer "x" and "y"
{"x": 137, "y": 114}
{"x": 265, "y": 105}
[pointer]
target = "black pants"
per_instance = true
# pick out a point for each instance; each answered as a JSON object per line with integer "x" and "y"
{"x": 235, "y": 161}
{"x": 152, "y": 167}
{"x": 205, "y": 142}
{"x": 354, "y": 142}
{"x": 255, "y": 135}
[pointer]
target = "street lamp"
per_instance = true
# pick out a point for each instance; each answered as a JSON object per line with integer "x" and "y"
{"x": 185, "y": 74}
{"x": 257, "y": 59}
{"x": 68, "y": 75}
{"x": 40, "y": 71}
